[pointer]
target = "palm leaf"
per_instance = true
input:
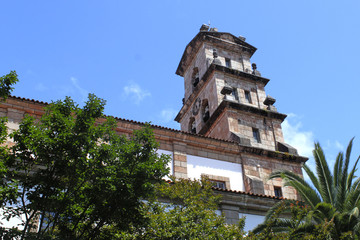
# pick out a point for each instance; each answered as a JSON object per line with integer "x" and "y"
{"x": 308, "y": 194}
{"x": 355, "y": 185}
{"x": 312, "y": 177}
{"x": 351, "y": 175}
{"x": 338, "y": 168}
{"x": 324, "y": 175}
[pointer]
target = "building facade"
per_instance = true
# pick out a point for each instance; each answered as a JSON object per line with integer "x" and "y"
{"x": 230, "y": 129}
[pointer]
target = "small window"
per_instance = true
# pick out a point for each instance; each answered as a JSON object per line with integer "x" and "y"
{"x": 205, "y": 110}
{"x": 192, "y": 125}
{"x": 218, "y": 184}
{"x": 256, "y": 135}
{"x": 195, "y": 77}
{"x": 277, "y": 191}
{"x": 227, "y": 63}
{"x": 235, "y": 94}
{"x": 247, "y": 96}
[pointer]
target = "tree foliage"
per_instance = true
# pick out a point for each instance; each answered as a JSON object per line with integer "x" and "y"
{"x": 332, "y": 201}
{"x": 185, "y": 209}
{"x": 8, "y": 191}
{"x": 76, "y": 176}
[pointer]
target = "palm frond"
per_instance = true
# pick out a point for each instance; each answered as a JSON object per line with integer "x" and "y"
{"x": 346, "y": 164}
{"x": 352, "y": 199}
{"x": 351, "y": 175}
{"x": 323, "y": 172}
{"x": 312, "y": 177}
{"x": 274, "y": 210}
{"x": 355, "y": 185}
{"x": 308, "y": 194}
{"x": 338, "y": 168}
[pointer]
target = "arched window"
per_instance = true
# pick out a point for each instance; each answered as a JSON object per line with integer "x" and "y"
{"x": 195, "y": 77}
{"x": 192, "y": 125}
{"x": 205, "y": 110}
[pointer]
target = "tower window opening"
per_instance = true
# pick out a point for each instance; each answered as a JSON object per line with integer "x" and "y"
{"x": 247, "y": 96}
{"x": 235, "y": 94}
{"x": 195, "y": 77}
{"x": 192, "y": 125}
{"x": 205, "y": 110}
{"x": 277, "y": 191}
{"x": 256, "y": 135}
{"x": 228, "y": 62}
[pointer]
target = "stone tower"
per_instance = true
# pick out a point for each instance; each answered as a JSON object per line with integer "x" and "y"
{"x": 225, "y": 93}
{"x": 225, "y": 99}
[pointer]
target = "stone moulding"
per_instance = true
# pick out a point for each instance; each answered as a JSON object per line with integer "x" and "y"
{"x": 209, "y": 72}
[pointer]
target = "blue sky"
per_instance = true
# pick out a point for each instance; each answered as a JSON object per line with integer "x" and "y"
{"x": 127, "y": 52}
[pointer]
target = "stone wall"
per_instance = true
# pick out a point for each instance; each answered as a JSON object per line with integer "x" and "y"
{"x": 256, "y": 166}
{"x": 259, "y": 168}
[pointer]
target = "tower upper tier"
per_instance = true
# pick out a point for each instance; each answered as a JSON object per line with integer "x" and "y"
{"x": 225, "y": 93}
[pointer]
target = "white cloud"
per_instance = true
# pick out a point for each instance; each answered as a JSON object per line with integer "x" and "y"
{"x": 72, "y": 89}
{"x": 168, "y": 115}
{"x": 303, "y": 141}
{"x": 135, "y": 92}
{"x": 83, "y": 92}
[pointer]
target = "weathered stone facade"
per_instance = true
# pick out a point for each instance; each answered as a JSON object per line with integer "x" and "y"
{"x": 225, "y": 99}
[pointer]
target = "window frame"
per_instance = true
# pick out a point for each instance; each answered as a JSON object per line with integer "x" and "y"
{"x": 256, "y": 135}
{"x": 235, "y": 94}
{"x": 278, "y": 192}
{"x": 228, "y": 62}
{"x": 247, "y": 95}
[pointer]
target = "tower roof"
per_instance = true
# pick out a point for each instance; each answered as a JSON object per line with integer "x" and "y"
{"x": 227, "y": 40}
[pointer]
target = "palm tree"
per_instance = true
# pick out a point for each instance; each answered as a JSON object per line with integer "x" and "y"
{"x": 332, "y": 198}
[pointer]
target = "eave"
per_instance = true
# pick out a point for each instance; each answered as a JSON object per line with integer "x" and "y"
{"x": 213, "y": 37}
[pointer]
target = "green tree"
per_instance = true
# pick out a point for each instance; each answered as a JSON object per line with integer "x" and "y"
{"x": 333, "y": 199}
{"x": 185, "y": 209}
{"x": 77, "y": 176}
{"x": 7, "y": 190}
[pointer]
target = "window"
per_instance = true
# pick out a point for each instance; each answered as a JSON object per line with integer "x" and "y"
{"x": 227, "y": 63}
{"x": 192, "y": 125}
{"x": 205, "y": 110}
{"x": 247, "y": 96}
{"x": 218, "y": 181}
{"x": 195, "y": 77}
{"x": 256, "y": 135}
{"x": 235, "y": 94}
{"x": 218, "y": 184}
{"x": 277, "y": 191}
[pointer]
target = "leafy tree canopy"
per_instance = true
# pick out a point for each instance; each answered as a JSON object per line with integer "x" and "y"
{"x": 74, "y": 175}
{"x": 185, "y": 209}
{"x": 7, "y": 190}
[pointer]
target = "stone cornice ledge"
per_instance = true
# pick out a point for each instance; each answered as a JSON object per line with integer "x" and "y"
{"x": 212, "y": 68}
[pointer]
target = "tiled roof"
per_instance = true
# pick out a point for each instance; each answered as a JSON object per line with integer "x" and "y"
{"x": 135, "y": 122}
{"x": 302, "y": 159}
{"x": 29, "y": 100}
{"x": 241, "y": 192}
{"x": 248, "y": 193}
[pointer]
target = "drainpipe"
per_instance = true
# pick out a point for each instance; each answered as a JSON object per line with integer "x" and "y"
{"x": 242, "y": 168}
{"x": 257, "y": 95}
{"x": 272, "y": 127}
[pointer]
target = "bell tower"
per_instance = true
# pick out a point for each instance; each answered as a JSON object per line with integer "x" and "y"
{"x": 225, "y": 93}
